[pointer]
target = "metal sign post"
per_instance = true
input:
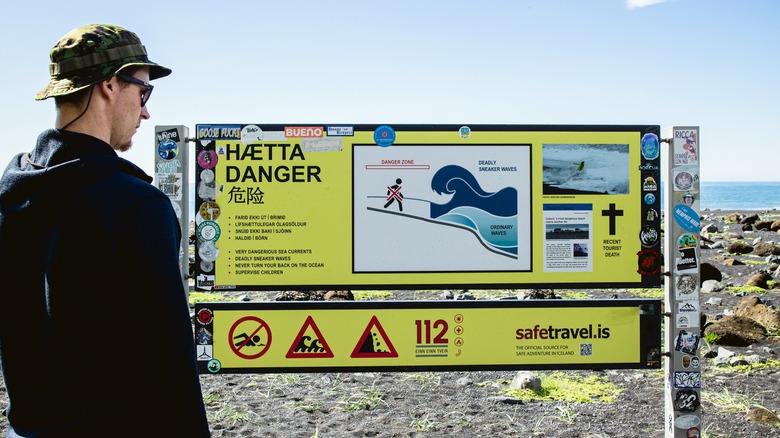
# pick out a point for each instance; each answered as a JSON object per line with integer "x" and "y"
{"x": 171, "y": 177}
{"x": 681, "y": 247}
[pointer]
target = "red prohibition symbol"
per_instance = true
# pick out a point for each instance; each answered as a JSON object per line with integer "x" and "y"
{"x": 250, "y": 337}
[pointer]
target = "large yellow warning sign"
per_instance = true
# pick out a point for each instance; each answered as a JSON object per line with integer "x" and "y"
{"x": 289, "y": 336}
{"x": 375, "y": 206}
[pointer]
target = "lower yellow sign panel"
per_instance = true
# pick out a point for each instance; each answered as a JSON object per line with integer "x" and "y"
{"x": 431, "y": 335}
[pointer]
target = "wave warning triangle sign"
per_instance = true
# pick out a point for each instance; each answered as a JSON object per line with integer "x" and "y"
{"x": 374, "y": 342}
{"x": 309, "y": 342}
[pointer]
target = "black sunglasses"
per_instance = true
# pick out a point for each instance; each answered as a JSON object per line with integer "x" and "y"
{"x": 144, "y": 95}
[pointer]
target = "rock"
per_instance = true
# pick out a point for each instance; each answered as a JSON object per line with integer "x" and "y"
{"x": 762, "y": 415}
{"x": 710, "y": 228}
{"x": 299, "y": 295}
{"x": 540, "y": 294}
{"x": 733, "y": 218}
{"x": 775, "y": 225}
{"x": 751, "y": 219}
{"x": 714, "y": 301}
{"x": 747, "y": 227}
{"x": 754, "y": 359}
{"x": 505, "y": 399}
{"x": 763, "y": 225}
{"x": 709, "y": 272}
{"x": 763, "y": 249}
{"x": 759, "y": 279}
{"x": 526, "y": 380}
{"x": 466, "y": 295}
{"x": 339, "y": 295}
{"x": 447, "y": 295}
{"x": 464, "y": 381}
{"x": 712, "y": 286}
{"x": 739, "y": 248}
{"x": 753, "y": 308}
{"x": 732, "y": 262}
{"x": 736, "y": 331}
{"x": 722, "y": 357}
{"x": 737, "y": 361}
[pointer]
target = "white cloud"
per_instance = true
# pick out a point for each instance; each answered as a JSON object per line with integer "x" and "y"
{"x": 631, "y": 4}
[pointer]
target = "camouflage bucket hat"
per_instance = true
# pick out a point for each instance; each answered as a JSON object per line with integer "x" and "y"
{"x": 93, "y": 53}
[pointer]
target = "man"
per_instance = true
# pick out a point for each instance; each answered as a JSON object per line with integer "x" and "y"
{"x": 95, "y": 336}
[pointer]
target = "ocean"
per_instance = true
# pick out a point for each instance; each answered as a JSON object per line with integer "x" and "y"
{"x": 753, "y": 195}
{"x": 739, "y": 195}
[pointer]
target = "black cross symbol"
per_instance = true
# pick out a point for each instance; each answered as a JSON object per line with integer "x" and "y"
{"x": 612, "y": 213}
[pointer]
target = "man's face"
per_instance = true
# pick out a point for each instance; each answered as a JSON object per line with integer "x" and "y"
{"x": 128, "y": 112}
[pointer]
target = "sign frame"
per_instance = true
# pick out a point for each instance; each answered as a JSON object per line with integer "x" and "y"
{"x": 211, "y": 334}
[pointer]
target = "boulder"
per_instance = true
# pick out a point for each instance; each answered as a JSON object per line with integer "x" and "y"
{"x": 709, "y": 272}
{"x": 764, "y": 249}
{"x": 739, "y": 248}
{"x": 526, "y": 380}
{"x": 732, "y": 262}
{"x": 736, "y": 331}
{"x": 339, "y": 295}
{"x": 762, "y": 415}
{"x": 775, "y": 225}
{"x": 759, "y": 279}
{"x": 733, "y": 218}
{"x": 763, "y": 225}
{"x": 299, "y": 295}
{"x": 750, "y": 219}
{"x": 753, "y": 308}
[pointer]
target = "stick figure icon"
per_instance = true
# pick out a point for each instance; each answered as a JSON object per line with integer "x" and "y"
{"x": 243, "y": 339}
{"x": 394, "y": 194}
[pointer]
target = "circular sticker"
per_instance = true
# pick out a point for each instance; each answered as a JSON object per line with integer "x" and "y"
{"x": 208, "y": 230}
{"x": 207, "y": 176}
{"x": 176, "y": 209}
{"x": 687, "y": 240}
{"x": 683, "y": 181}
{"x": 205, "y": 316}
{"x": 214, "y": 366}
{"x": 251, "y": 134}
{"x": 687, "y": 284}
{"x": 207, "y": 159}
{"x": 688, "y": 199}
{"x": 649, "y": 199}
{"x": 384, "y": 136}
{"x": 648, "y": 236}
{"x": 650, "y": 146}
{"x": 167, "y": 149}
{"x": 649, "y": 262}
{"x": 464, "y": 132}
{"x": 208, "y": 251}
{"x": 209, "y": 210}
{"x": 206, "y": 266}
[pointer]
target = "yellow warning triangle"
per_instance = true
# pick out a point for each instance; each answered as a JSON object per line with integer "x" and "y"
{"x": 374, "y": 342}
{"x": 309, "y": 342}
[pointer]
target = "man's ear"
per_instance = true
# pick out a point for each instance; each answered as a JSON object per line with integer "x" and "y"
{"x": 108, "y": 87}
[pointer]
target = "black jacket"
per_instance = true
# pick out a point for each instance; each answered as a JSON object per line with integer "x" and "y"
{"x": 95, "y": 335}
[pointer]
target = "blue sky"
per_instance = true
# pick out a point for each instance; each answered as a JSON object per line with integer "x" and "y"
{"x": 708, "y": 63}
